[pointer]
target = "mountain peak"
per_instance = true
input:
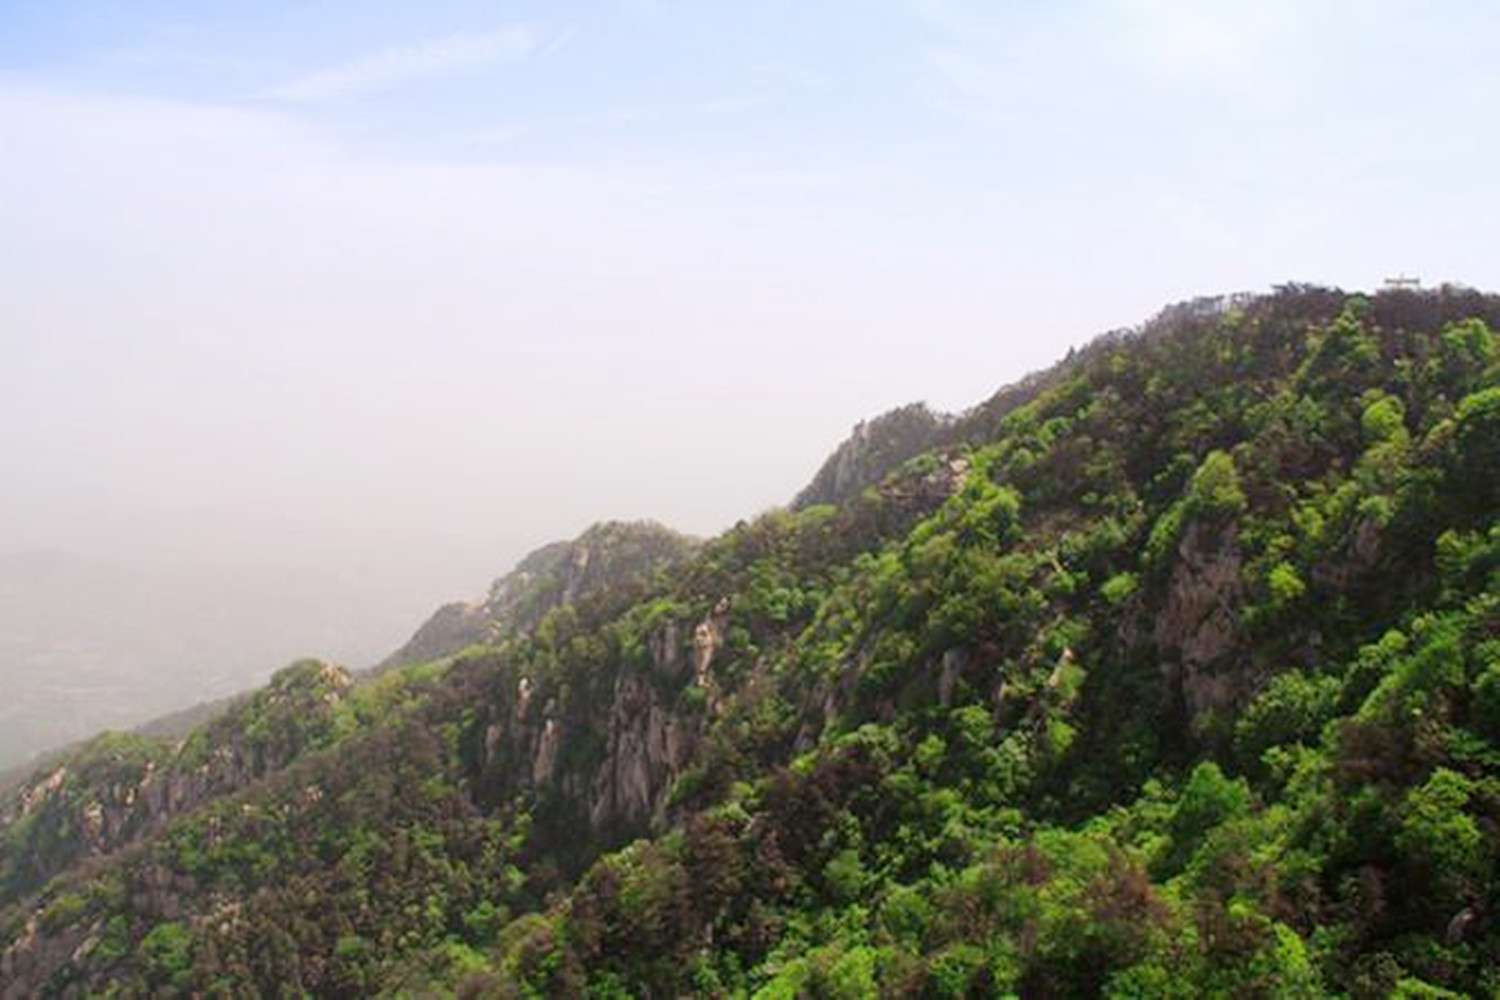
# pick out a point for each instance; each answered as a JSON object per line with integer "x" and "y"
{"x": 608, "y": 555}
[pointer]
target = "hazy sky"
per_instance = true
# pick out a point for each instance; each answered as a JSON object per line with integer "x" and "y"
{"x": 415, "y": 287}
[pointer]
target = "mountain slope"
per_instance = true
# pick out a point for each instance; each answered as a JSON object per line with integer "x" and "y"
{"x": 1170, "y": 672}
{"x": 873, "y": 451}
{"x": 613, "y": 557}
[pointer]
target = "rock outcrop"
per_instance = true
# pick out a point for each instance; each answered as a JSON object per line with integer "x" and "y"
{"x": 645, "y": 750}
{"x": 606, "y": 557}
{"x": 1197, "y": 630}
{"x": 874, "y": 450}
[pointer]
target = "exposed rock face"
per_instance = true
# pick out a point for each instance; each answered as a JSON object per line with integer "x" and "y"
{"x": 617, "y": 755}
{"x": 708, "y": 639}
{"x": 29, "y": 966}
{"x": 933, "y": 486}
{"x": 606, "y": 556}
{"x": 527, "y": 734}
{"x": 646, "y": 749}
{"x": 1197, "y": 630}
{"x": 34, "y": 795}
{"x": 666, "y": 649}
{"x": 875, "y": 449}
{"x": 954, "y": 662}
{"x": 544, "y": 763}
{"x": 32, "y": 952}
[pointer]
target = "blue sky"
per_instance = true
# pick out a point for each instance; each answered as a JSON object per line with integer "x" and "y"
{"x": 424, "y": 285}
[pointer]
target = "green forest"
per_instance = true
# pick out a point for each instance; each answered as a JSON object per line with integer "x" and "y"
{"x": 1172, "y": 671}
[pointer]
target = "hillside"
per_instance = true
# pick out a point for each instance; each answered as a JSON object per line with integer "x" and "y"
{"x": 614, "y": 558}
{"x": 1169, "y": 672}
{"x": 873, "y": 451}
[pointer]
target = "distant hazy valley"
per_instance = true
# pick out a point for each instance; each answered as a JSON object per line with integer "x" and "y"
{"x": 90, "y": 644}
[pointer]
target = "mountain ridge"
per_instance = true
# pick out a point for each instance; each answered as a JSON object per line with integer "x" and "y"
{"x": 607, "y": 555}
{"x": 1167, "y": 672}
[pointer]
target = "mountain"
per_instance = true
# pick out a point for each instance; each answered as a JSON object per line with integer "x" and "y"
{"x": 873, "y": 451}
{"x": 612, "y": 558}
{"x": 1171, "y": 671}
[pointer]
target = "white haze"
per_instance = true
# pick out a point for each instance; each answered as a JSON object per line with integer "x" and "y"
{"x": 237, "y": 342}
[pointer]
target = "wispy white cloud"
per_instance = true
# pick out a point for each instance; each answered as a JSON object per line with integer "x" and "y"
{"x": 423, "y": 60}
